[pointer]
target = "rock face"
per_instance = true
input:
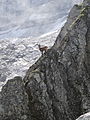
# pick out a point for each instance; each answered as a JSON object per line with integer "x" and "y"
{"x": 57, "y": 86}
{"x": 14, "y": 101}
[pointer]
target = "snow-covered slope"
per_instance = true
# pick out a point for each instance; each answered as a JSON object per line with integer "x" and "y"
{"x": 32, "y": 17}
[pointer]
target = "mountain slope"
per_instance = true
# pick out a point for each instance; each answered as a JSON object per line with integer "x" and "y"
{"x": 58, "y": 84}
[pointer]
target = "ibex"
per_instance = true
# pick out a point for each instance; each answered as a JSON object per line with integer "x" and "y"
{"x": 42, "y": 49}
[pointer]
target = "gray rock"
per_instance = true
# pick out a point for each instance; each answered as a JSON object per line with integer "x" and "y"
{"x": 2, "y": 78}
{"x": 87, "y": 2}
{"x": 58, "y": 84}
{"x": 14, "y": 101}
{"x": 84, "y": 117}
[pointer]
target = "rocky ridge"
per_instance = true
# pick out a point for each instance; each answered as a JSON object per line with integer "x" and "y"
{"x": 57, "y": 86}
{"x": 16, "y": 55}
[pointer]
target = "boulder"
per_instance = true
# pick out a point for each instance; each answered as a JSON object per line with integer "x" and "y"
{"x": 84, "y": 117}
{"x": 14, "y": 101}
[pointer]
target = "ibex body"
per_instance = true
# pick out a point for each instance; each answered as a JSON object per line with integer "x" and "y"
{"x": 42, "y": 49}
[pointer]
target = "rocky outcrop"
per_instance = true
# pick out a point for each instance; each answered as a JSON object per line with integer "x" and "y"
{"x": 57, "y": 86}
{"x": 14, "y": 101}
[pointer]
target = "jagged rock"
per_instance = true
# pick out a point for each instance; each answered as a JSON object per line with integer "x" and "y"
{"x": 58, "y": 83}
{"x": 14, "y": 101}
{"x": 57, "y": 86}
{"x": 86, "y": 2}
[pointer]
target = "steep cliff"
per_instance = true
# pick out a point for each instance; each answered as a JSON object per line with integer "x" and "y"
{"x": 58, "y": 84}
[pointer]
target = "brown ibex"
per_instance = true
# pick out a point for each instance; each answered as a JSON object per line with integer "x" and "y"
{"x": 42, "y": 49}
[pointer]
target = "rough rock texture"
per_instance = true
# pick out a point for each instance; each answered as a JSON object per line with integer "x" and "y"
{"x": 57, "y": 86}
{"x": 14, "y": 101}
{"x": 84, "y": 117}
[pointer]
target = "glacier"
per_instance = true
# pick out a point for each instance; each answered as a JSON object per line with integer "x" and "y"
{"x": 32, "y": 18}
